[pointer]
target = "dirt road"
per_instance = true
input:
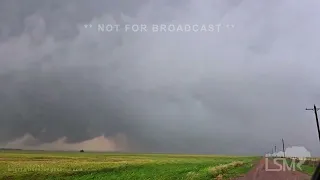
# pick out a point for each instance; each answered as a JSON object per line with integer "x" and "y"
{"x": 259, "y": 173}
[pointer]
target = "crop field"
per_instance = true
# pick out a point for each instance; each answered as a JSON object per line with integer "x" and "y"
{"x": 41, "y": 165}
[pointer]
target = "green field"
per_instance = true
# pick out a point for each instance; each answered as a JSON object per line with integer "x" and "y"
{"x": 84, "y": 166}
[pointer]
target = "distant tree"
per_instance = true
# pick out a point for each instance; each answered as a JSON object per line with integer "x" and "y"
{"x": 81, "y": 150}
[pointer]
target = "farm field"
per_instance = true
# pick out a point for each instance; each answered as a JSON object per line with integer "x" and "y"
{"x": 84, "y": 166}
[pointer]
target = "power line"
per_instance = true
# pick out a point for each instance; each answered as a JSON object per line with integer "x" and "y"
{"x": 315, "y": 110}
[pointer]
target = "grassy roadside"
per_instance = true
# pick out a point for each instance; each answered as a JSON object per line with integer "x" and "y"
{"x": 308, "y": 167}
{"x": 237, "y": 170}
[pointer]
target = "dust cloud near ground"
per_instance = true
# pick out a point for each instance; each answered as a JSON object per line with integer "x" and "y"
{"x": 100, "y": 143}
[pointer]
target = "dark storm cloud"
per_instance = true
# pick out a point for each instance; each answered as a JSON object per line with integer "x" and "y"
{"x": 237, "y": 91}
{"x": 61, "y": 16}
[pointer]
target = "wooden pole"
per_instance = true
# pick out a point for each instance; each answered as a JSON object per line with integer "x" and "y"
{"x": 284, "y": 152}
{"x": 315, "y": 110}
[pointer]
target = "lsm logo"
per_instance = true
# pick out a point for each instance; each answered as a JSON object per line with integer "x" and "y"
{"x": 287, "y": 164}
{"x": 283, "y": 164}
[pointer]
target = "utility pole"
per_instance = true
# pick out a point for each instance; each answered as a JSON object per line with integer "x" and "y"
{"x": 284, "y": 152}
{"x": 275, "y": 150}
{"x": 315, "y": 110}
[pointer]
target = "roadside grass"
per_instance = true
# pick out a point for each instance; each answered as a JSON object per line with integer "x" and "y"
{"x": 113, "y": 166}
{"x": 238, "y": 171}
{"x": 308, "y": 167}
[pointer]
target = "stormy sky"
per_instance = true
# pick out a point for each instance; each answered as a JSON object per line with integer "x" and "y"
{"x": 236, "y": 91}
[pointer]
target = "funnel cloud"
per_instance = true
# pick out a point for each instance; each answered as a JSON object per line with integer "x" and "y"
{"x": 237, "y": 91}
